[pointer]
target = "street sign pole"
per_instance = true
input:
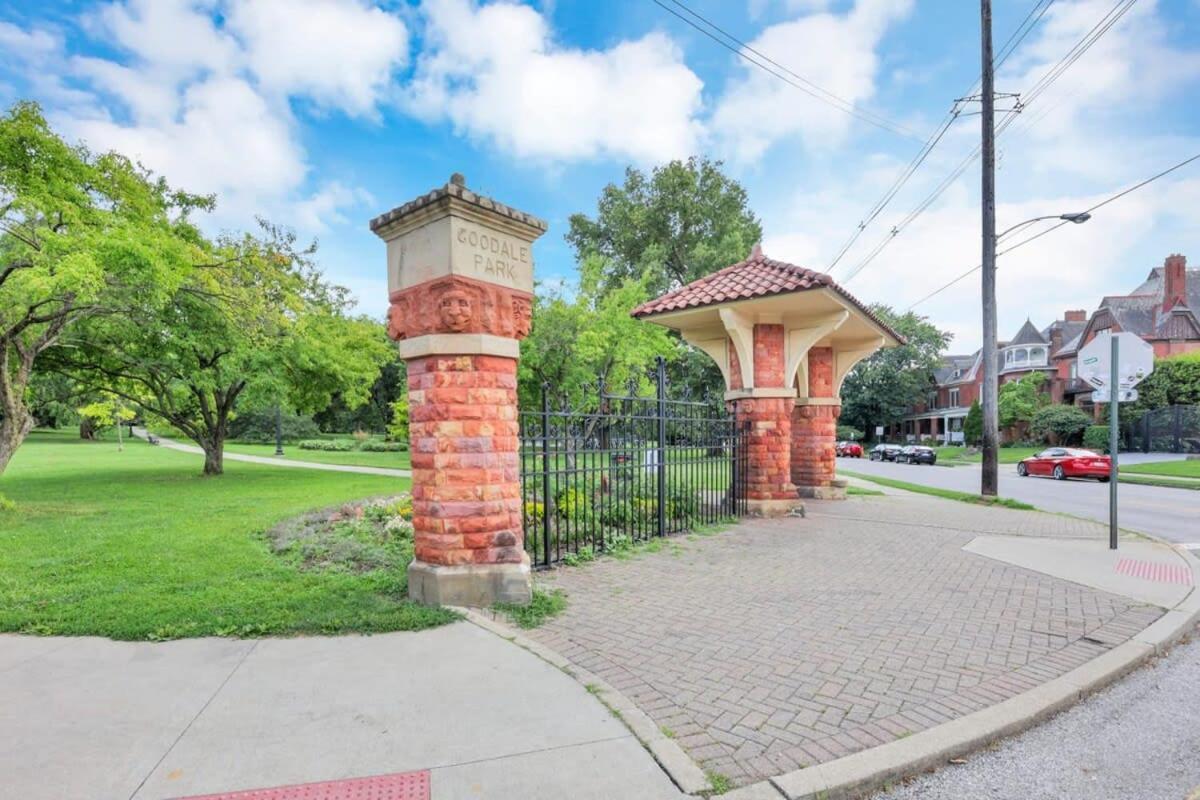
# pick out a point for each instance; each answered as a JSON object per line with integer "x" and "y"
{"x": 1114, "y": 404}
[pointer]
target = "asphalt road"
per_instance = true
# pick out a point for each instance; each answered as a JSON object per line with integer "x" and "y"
{"x": 1136, "y": 740}
{"x": 1172, "y": 514}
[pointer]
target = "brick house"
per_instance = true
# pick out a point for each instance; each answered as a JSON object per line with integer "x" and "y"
{"x": 958, "y": 381}
{"x": 1164, "y": 310}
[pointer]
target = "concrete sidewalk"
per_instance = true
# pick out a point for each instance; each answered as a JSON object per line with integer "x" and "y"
{"x": 171, "y": 444}
{"x": 94, "y": 719}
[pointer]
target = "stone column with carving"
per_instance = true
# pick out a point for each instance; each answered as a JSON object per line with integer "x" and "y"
{"x": 765, "y": 414}
{"x": 814, "y": 432}
{"x": 460, "y": 280}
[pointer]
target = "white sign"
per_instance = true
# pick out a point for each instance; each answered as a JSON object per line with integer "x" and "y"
{"x": 1135, "y": 357}
{"x": 1123, "y": 396}
{"x": 879, "y": 430}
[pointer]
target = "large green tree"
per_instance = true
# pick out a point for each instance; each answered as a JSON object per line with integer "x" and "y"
{"x": 1174, "y": 382}
{"x": 682, "y": 221}
{"x": 1017, "y": 402}
{"x": 82, "y": 236}
{"x": 881, "y": 387}
{"x": 256, "y": 325}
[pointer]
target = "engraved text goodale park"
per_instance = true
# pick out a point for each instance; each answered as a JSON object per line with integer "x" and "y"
{"x": 494, "y": 256}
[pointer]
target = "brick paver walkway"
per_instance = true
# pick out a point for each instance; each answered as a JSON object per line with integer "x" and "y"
{"x": 780, "y": 644}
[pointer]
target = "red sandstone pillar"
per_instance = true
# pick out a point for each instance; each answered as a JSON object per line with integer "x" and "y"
{"x": 460, "y": 274}
{"x": 765, "y": 412}
{"x": 814, "y": 432}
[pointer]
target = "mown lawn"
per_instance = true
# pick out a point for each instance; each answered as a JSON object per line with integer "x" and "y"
{"x": 1173, "y": 469}
{"x": 293, "y": 453}
{"x": 137, "y": 545}
{"x": 1006, "y": 455}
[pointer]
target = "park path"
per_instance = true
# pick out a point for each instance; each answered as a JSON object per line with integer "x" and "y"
{"x": 279, "y": 462}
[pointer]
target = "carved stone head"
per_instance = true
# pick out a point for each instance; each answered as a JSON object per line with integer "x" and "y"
{"x": 395, "y": 320}
{"x": 522, "y": 313}
{"x": 456, "y": 310}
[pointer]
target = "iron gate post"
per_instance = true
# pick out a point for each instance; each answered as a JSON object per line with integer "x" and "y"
{"x": 661, "y": 379}
{"x": 546, "y": 473}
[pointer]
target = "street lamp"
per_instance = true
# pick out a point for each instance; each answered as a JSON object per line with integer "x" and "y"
{"x": 1078, "y": 218}
{"x": 989, "y": 481}
{"x": 278, "y": 430}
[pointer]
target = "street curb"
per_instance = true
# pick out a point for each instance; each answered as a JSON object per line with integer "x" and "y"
{"x": 868, "y": 770}
{"x": 670, "y": 756}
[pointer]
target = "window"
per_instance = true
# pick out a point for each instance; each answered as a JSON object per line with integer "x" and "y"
{"x": 1074, "y": 370}
{"x": 954, "y": 398}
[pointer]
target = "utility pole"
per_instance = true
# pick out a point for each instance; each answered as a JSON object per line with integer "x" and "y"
{"x": 989, "y": 482}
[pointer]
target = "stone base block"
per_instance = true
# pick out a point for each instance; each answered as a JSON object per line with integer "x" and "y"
{"x": 774, "y": 508}
{"x": 832, "y": 492}
{"x": 478, "y": 585}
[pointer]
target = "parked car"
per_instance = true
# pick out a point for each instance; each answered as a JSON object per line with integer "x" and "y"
{"x": 1067, "y": 462}
{"x": 849, "y": 449}
{"x": 917, "y": 454}
{"x": 885, "y": 452}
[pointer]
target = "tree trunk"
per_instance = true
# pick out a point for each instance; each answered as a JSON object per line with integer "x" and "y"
{"x": 13, "y": 430}
{"x": 214, "y": 455}
{"x": 87, "y": 429}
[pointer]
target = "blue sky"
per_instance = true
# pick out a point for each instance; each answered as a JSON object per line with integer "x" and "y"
{"x": 322, "y": 113}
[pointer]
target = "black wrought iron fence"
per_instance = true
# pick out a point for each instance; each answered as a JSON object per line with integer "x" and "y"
{"x": 1174, "y": 429}
{"x": 631, "y": 469}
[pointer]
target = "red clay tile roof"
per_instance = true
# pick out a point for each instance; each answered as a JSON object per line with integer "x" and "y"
{"x": 757, "y": 276}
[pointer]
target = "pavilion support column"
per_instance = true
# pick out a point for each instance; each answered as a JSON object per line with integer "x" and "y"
{"x": 814, "y": 432}
{"x": 763, "y": 413}
{"x": 460, "y": 274}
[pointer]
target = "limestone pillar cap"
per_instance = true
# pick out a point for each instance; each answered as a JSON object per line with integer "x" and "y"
{"x": 459, "y": 344}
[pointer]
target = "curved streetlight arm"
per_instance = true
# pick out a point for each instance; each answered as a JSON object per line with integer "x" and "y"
{"x": 1078, "y": 218}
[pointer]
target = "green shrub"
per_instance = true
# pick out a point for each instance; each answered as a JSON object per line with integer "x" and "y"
{"x": 1096, "y": 438}
{"x": 258, "y": 427}
{"x": 376, "y": 446}
{"x": 1059, "y": 424}
{"x": 973, "y": 424}
{"x": 572, "y": 503}
{"x": 845, "y": 432}
{"x": 7, "y": 504}
{"x": 328, "y": 445}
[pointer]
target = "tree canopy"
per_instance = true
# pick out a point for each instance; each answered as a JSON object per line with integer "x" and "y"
{"x": 82, "y": 236}
{"x": 579, "y": 343}
{"x": 255, "y": 324}
{"x": 1019, "y": 400}
{"x": 882, "y": 386}
{"x": 682, "y": 221}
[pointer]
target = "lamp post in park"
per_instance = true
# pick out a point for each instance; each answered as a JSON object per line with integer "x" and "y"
{"x": 1113, "y": 364}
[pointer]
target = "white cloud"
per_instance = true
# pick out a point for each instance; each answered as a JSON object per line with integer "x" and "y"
{"x": 339, "y": 53}
{"x": 226, "y": 140}
{"x": 495, "y": 72}
{"x": 201, "y": 93}
{"x": 176, "y": 37}
{"x": 836, "y": 52}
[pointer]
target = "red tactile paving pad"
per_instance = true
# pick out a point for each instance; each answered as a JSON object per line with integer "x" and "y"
{"x": 400, "y": 786}
{"x": 1155, "y": 571}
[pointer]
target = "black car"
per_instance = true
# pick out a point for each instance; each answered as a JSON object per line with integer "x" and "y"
{"x": 917, "y": 454}
{"x": 885, "y": 452}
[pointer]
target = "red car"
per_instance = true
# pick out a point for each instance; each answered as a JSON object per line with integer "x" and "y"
{"x": 849, "y": 449}
{"x": 1066, "y": 462}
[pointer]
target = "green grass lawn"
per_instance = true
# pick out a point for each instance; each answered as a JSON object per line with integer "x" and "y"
{"x": 137, "y": 545}
{"x": 1006, "y": 455}
{"x": 948, "y": 494}
{"x": 293, "y": 453}
{"x": 1170, "y": 469}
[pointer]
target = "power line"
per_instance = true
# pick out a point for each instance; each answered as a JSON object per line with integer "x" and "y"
{"x": 772, "y": 67}
{"x": 1040, "y": 234}
{"x": 1010, "y": 45}
{"x": 1053, "y": 74}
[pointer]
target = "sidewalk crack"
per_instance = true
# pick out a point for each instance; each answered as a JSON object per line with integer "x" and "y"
{"x": 195, "y": 717}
